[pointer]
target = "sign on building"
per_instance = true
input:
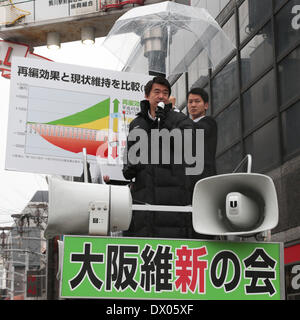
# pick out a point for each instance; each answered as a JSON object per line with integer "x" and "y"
{"x": 28, "y": 11}
{"x": 9, "y": 49}
{"x": 30, "y": 21}
{"x": 34, "y": 284}
{"x": 292, "y": 271}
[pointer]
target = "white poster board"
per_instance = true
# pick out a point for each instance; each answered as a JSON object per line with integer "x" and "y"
{"x": 56, "y": 110}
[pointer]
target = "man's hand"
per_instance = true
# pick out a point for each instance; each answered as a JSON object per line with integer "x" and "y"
{"x": 172, "y": 100}
{"x": 161, "y": 113}
{"x": 106, "y": 179}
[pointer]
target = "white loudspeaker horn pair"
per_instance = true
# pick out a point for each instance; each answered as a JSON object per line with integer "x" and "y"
{"x": 69, "y": 205}
{"x": 235, "y": 204}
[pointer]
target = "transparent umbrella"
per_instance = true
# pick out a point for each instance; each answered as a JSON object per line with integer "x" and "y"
{"x": 165, "y": 38}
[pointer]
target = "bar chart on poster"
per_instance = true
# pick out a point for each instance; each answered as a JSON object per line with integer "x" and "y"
{"x": 57, "y": 109}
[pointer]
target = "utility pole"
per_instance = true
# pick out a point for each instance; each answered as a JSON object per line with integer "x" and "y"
{"x": 3, "y": 247}
{"x": 31, "y": 220}
{"x": 3, "y": 237}
{"x": 12, "y": 283}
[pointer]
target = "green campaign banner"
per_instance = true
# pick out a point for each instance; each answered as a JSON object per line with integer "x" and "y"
{"x": 144, "y": 268}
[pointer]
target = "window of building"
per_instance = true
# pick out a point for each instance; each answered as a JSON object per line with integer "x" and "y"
{"x": 263, "y": 145}
{"x": 225, "y": 86}
{"x": 291, "y": 129}
{"x": 259, "y": 102}
{"x": 278, "y": 3}
{"x": 286, "y": 34}
{"x": 229, "y": 30}
{"x": 229, "y": 160}
{"x": 197, "y": 76}
{"x": 289, "y": 71}
{"x": 257, "y": 55}
{"x": 251, "y": 14}
{"x": 258, "y": 87}
{"x": 227, "y": 133}
{"x": 179, "y": 91}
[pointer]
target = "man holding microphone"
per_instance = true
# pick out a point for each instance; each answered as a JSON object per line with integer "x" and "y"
{"x": 159, "y": 184}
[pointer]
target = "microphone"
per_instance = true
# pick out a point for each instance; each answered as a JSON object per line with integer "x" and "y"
{"x": 160, "y": 105}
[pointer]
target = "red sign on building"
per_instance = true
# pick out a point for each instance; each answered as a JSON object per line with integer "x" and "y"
{"x": 292, "y": 271}
{"x": 34, "y": 284}
{"x": 8, "y": 49}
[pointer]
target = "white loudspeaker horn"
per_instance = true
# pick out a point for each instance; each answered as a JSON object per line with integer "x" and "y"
{"x": 70, "y": 202}
{"x": 235, "y": 204}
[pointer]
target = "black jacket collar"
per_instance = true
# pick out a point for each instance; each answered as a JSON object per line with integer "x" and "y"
{"x": 145, "y": 107}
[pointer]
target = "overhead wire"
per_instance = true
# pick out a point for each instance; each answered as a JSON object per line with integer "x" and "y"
{"x": 8, "y": 206}
{"x": 10, "y": 203}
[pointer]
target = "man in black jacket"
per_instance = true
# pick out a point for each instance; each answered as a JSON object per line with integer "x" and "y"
{"x": 159, "y": 184}
{"x": 197, "y": 102}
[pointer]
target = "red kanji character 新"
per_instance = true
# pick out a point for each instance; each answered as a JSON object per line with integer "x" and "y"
{"x": 190, "y": 271}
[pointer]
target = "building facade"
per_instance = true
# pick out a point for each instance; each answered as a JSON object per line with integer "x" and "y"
{"x": 255, "y": 99}
{"x": 24, "y": 261}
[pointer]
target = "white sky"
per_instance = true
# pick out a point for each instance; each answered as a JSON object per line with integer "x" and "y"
{"x": 17, "y": 188}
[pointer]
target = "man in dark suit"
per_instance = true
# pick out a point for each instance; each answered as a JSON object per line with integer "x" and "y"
{"x": 197, "y": 103}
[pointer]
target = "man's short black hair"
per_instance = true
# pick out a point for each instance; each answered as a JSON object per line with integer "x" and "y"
{"x": 159, "y": 80}
{"x": 200, "y": 92}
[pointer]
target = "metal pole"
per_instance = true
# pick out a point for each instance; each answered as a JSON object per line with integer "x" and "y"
{"x": 247, "y": 158}
{"x": 85, "y": 170}
{"x": 51, "y": 288}
{"x": 50, "y": 278}
{"x": 12, "y": 284}
{"x": 168, "y": 53}
{"x": 26, "y": 270}
{"x": 150, "y": 207}
{"x": 24, "y": 250}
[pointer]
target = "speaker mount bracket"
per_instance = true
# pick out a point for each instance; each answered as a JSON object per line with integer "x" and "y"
{"x": 150, "y": 207}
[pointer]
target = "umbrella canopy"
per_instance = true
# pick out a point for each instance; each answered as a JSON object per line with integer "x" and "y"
{"x": 166, "y": 37}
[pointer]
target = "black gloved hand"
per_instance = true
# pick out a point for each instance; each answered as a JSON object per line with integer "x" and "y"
{"x": 161, "y": 113}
